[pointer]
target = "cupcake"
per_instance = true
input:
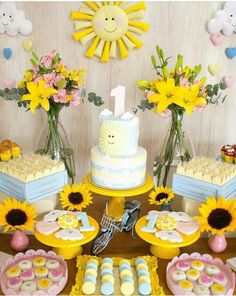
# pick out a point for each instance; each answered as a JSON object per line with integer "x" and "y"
{"x": 192, "y": 274}
{"x": 51, "y": 264}
{"x": 183, "y": 265}
{"x": 25, "y": 264}
{"x": 198, "y": 265}
{"x": 229, "y": 155}
{"x": 29, "y": 287}
{"x": 224, "y": 149}
{"x": 5, "y": 154}
{"x": 186, "y": 285}
{"x": 41, "y": 272}
{"x": 212, "y": 270}
{"x": 44, "y": 284}
{"x": 217, "y": 289}
{"x": 220, "y": 279}
{"x": 201, "y": 290}
{"x": 205, "y": 280}
{"x": 13, "y": 271}
{"x": 27, "y": 275}
{"x": 39, "y": 261}
{"x": 14, "y": 283}
{"x": 6, "y": 143}
{"x": 178, "y": 275}
{"x": 55, "y": 274}
{"x": 15, "y": 150}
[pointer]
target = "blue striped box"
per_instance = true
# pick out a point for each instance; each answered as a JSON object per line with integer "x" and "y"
{"x": 35, "y": 190}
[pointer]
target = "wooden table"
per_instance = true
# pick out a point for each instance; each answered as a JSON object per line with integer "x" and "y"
{"x": 123, "y": 245}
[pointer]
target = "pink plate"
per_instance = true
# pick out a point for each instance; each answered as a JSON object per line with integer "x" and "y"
{"x": 57, "y": 286}
{"x": 206, "y": 259}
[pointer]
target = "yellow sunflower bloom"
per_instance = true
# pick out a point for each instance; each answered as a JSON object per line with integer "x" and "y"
{"x": 75, "y": 197}
{"x": 38, "y": 95}
{"x": 167, "y": 94}
{"x": 17, "y": 215}
{"x": 161, "y": 195}
{"x": 190, "y": 99}
{"x": 217, "y": 215}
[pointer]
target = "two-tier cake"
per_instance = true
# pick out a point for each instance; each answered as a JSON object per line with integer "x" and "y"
{"x": 118, "y": 162}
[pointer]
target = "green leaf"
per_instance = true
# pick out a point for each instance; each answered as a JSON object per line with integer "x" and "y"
{"x": 56, "y": 59}
{"x": 61, "y": 83}
{"x": 34, "y": 55}
{"x": 223, "y": 86}
{"x": 153, "y": 61}
{"x": 179, "y": 62}
{"x": 33, "y": 62}
{"x": 1, "y": 93}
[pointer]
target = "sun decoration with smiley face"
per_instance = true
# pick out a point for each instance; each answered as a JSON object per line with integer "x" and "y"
{"x": 111, "y": 138}
{"x": 107, "y": 24}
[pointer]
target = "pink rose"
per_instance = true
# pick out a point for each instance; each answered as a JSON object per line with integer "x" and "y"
{"x": 49, "y": 79}
{"x": 60, "y": 97}
{"x": 76, "y": 99}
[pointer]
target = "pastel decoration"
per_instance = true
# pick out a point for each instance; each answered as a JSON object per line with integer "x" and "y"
{"x": 187, "y": 228}
{"x": 150, "y": 227}
{"x": 9, "y": 83}
{"x": 106, "y": 26}
{"x": 217, "y": 39}
{"x": 27, "y": 44}
{"x": 230, "y": 52}
{"x": 13, "y": 20}
{"x": 229, "y": 81}
{"x": 69, "y": 234}
{"x": 7, "y": 53}
{"x": 83, "y": 217}
{"x": 47, "y": 228}
{"x": 214, "y": 69}
{"x": 224, "y": 20}
{"x": 119, "y": 94}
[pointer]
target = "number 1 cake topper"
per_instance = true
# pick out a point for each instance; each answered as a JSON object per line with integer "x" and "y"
{"x": 119, "y": 94}
{"x": 107, "y": 24}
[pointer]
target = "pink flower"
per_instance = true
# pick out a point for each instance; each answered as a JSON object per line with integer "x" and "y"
{"x": 184, "y": 82}
{"x": 165, "y": 113}
{"x": 49, "y": 79}
{"x": 76, "y": 99}
{"x": 52, "y": 54}
{"x": 58, "y": 78}
{"x": 47, "y": 59}
{"x": 35, "y": 69}
{"x": 200, "y": 108}
{"x": 38, "y": 78}
{"x": 60, "y": 97}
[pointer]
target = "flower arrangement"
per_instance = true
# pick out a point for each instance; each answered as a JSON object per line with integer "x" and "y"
{"x": 162, "y": 196}
{"x": 50, "y": 85}
{"x": 173, "y": 93}
{"x": 17, "y": 215}
{"x": 75, "y": 197}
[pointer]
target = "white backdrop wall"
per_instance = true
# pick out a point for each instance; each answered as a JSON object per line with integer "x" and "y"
{"x": 178, "y": 27}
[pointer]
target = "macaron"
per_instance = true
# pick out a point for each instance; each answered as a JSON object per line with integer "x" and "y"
{"x": 143, "y": 272}
{"x": 125, "y": 273}
{"x": 106, "y": 265}
{"x": 108, "y": 278}
{"x": 92, "y": 265}
{"x": 128, "y": 279}
{"x": 88, "y": 288}
{"x": 144, "y": 289}
{"x": 107, "y": 260}
{"x": 127, "y": 288}
{"x": 107, "y": 288}
{"x": 144, "y": 279}
{"x": 90, "y": 278}
{"x": 124, "y": 266}
{"x": 141, "y": 266}
{"x": 91, "y": 271}
{"x": 139, "y": 260}
{"x": 106, "y": 271}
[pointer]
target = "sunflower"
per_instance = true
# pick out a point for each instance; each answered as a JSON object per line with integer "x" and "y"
{"x": 217, "y": 215}
{"x": 17, "y": 215}
{"x": 161, "y": 195}
{"x": 75, "y": 197}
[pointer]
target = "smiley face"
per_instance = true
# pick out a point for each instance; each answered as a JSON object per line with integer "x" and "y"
{"x": 110, "y": 23}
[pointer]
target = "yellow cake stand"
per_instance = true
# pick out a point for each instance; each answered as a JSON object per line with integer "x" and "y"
{"x": 117, "y": 201}
{"x": 65, "y": 248}
{"x": 160, "y": 248}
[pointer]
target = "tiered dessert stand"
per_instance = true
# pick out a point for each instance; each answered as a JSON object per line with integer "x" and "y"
{"x": 117, "y": 197}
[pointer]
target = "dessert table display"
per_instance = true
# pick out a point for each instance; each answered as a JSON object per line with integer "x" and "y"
{"x": 167, "y": 232}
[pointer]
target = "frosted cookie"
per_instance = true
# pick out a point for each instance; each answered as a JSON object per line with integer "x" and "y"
{"x": 55, "y": 274}
{"x": 183, "y": 265}
{"x": 178, "y": 275}
{"x": 52, "y": 264}
{"x": 29, "y": 287}
{"x": 218, "y": 289}
{"x": 44, "y": 284}
{"x": 47, "y": 228}
{"x": 186, "y": 285}
{"x": 90, "y": 278}
{"x": 41, "y": 272}
{"x": 27, "y": 275}
{"x": 127, "y": 288}
{"x": 141, "y": 266}
{"x": 53, "y": 215}
{"x": 13, "y": 271}
{"x": 69, "y": 234}
{"x": 201, "y": 290}
{"x": 125, "y": 273}
{"x": 181, "y": 216}
{"x": 192, "y": 274}
{"x": 88, "y": 288}
{"x": 25, "y": 264}
{"x": 91, "y": 271}
{"x": 139, "y": 260}
{"x": 205, "y": 280}
{"x": 106, "y": 265}
{"x": 106, "y": 271}
{"x": 107, "y": 288}
{"x": 108, "y": 278}
{"x": 220, "y": 279}
{"x": 212, "y": 270}
{"x": 14, "y": 283}
{"x": 144, "y": 289}
{"x": 39, "y": 261}
{"x": 198, "y": 265}
{"x": 144, "y": 279}
{"x": 143, "y": 272}
{"x": 67, "y": 221}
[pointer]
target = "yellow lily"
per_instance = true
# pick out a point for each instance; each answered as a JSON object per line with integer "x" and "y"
{"x": 167, "y": 94}
{"x": 38, "y": 95}
{"x": 190, "y": 98}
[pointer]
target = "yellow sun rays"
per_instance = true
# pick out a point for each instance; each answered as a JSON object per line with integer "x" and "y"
{"x": 108, "y": 25}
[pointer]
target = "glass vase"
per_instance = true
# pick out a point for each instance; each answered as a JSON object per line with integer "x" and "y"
{"x": 53, "y": 141}
{"x": 174, "y": 150}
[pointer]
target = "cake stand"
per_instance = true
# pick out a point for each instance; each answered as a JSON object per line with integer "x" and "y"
{"x": 160, "y": 248}
{"x": 66, "y": 248}
{"x": 117, "y": 197}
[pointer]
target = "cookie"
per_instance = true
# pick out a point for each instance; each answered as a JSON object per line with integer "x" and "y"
{"x": 141, "y": 266}
{"x": 13, "y": 271}
{"x": 139, "y": 260}
{"x": 39, "y": 261}
{"x": 41, "y": 272}
{"x": 178, "y": 275}
{"x": 212, "y": 270}
{"x": 218, "y": 289}
{"x": 198, "y": 265}
{"x": 205, "y": 280}
{"x": 107, "y": 260}
{"x": 186, "y": 285}
{"x": 92, "y": 265}
{"x": 128, "y": 279}
{"x": 106, "y": 265}
{"x": 44, "y": 283}
{"x": 220, "y": 279}
{"x": 53, "y": 215}
{"x": 106, "y": 271}
{"x": 27, "y": 275}
{"x": 51, "y": 264}
{"x": 69, "y": 234}
{"x": 201, "y": 290}
{"x": 25, "y": 264}
{"x": 144, "y": 279}
{"x": 192, "y": 274}
{"x": 143, "y": 272}
{"x": 124, "y": 266}
{"x": 183, "y": 265}
{"x": 55, "y": 274}
{"x": 29, "y": 287}
{"x": 125, "y": 273}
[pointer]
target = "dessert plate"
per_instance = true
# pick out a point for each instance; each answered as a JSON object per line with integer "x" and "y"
{"x": 56, "y": 285}
{"x": 207, "y": 260}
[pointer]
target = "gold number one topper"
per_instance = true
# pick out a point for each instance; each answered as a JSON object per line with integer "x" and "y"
{"x": 107, "y": 24}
